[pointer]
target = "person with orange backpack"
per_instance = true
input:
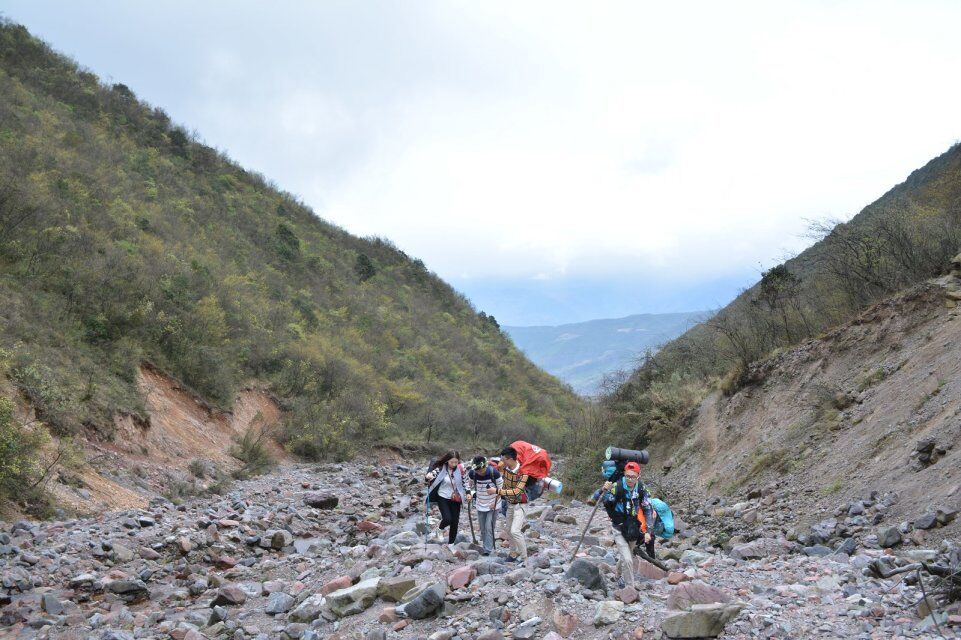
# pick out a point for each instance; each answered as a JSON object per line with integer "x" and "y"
{"x": 513, "y": 490}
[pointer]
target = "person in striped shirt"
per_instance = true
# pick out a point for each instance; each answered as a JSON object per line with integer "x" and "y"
{"x": 483, "y": 482}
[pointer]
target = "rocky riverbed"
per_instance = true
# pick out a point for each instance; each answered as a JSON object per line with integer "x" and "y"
{"x": 338, "y": 551}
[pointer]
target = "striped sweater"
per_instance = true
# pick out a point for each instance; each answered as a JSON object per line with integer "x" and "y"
{"x": 480, "y": 484}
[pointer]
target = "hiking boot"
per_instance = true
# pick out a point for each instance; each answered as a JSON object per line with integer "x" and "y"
{"x": 511, "y": 559}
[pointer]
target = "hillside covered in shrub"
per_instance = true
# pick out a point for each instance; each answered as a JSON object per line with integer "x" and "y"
{"x": 908, "y": 235}
{"x": 124, "y": 241}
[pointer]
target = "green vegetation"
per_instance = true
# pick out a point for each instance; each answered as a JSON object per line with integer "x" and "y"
{"x": 832, "y": 488}
{"x": 124, "y": 241}
{"x": 20, "y": 448}
{"x": 251, "y": 449}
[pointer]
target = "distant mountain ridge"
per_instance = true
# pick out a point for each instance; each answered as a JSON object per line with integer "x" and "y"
{"x": 582, "y": 353}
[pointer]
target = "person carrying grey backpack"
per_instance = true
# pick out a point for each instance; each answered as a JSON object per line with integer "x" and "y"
{"x": 484, "y": 480}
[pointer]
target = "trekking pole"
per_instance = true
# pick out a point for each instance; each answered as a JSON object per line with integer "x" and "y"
{"x": 427, "y": 519}
{"x": 640, "y": 552}
{"x": 584, "y": 532}
{"x": 470, "y": 519}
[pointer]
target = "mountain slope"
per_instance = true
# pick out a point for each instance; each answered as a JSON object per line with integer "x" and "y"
{"x": 124, "y": 241}
{"x": 583, "y": 353}
{"x": 906, "y": 236}
{"x": 838, "y": 417}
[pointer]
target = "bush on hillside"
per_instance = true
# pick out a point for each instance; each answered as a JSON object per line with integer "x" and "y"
{"x": 252, "y": 449}
{"x": 21, "y": 445}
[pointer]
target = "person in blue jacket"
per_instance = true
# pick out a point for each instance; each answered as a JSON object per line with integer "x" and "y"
{"x": 628, "y": 506}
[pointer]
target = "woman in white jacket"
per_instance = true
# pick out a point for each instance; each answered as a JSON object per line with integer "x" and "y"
{"x": 445, "y": 481}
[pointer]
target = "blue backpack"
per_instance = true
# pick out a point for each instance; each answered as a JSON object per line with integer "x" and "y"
{"x": 664, "y": 524}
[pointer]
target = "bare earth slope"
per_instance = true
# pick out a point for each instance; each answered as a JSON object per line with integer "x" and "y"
{"x": 837, "y": 417}
{"x": 162, "y": 455}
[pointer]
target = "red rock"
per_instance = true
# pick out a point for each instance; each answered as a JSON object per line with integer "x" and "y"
{"x": 367, "y": 526}
{"x": 184, "y": 545}
{"x": 179, "y": 633}
{"x": 273, "y": 585}
{"x": 627, "y": 595}
{"x": 689, "y": 593}
{"x": 227, "y": 524}
{"x": 954, "y": 621}
{"x": 336, "y": 584}
{"x": 387, "y": 615}
{"x": 401, "y": 625}
{"x": 225, "y": 562}
{"x": 638, "y": 633}
{"x": 676, "y": 578}
{"x": 461, "y": 577}
{"x": 647, "y": 570}
{"x": 230, "y": 595}
{"x": 564, "y": 623}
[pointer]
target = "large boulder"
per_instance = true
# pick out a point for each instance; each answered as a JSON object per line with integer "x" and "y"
{"x": 321, "y": 500}
{"x": 702, "y": 621}
{"x": 423, "y": 602}
{"x": 686, "y": 594}
{"x": 586, "y": 573}
{"x": 823, "y": 531}
{"x": 308, "y": 610}
{"x": 564, "y": 622}
{"x": 354, "y": 599}
{"x": 393, "y": 589}
{"x": 229, "y": 595}
{"x": 889, "y": 537}
{"x": 644, "y": 569}
{"x": 608, "y": 612}
{"x": 461, "y": 577}
{"x": 690, "y": 556}
{"x": 130, "y": 591}
{"x": 278, "y": 602}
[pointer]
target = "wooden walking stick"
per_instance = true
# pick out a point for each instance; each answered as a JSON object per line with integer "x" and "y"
{"x": 584, "y": 532}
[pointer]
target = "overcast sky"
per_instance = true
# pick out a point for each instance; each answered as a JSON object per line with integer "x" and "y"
{"x": 555, "y": 161}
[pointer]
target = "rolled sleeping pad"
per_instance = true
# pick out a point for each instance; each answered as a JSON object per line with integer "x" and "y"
{"x": 627, "y": 455}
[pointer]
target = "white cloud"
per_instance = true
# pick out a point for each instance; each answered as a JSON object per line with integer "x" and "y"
{"x": 548, "y": 140}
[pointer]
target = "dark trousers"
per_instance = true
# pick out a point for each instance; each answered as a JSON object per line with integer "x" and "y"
{"x": 449, "y": 516}
{"x": 649, "y": 547}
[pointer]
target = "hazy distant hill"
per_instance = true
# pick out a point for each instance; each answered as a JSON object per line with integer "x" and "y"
{"x": 582, "y": 353}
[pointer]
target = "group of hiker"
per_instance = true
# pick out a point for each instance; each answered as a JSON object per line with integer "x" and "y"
{"x": 508, "y": 483}
{"x": 491, "y": 486}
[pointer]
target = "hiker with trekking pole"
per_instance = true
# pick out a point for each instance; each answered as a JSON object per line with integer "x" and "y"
{"x": 445, "y": 488}
{"x": 630, "y": 509}
{"x": 628, "y": 506}
{"x": 484, "y": 481}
